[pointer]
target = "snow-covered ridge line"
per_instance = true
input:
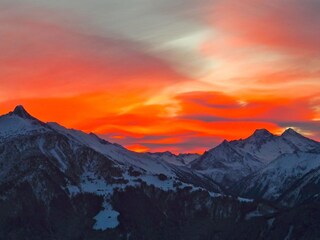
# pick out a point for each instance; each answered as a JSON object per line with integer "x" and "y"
{"x": 225, "y": 165}
{"x": 20, "y": 123}
{"x": 231, "y": 161}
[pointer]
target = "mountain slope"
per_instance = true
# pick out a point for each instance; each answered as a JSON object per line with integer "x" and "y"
{"x": 147, "y": 163}
{"x": 279, "y": 176}
{"x": 231, "y": 161}
{"x": 224, "y": 164}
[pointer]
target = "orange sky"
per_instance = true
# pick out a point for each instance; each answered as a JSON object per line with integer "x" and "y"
{"x": 156, "y": 76}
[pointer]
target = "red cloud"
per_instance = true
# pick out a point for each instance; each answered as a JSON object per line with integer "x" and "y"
{"x": 103, "y": 84}
{"x": 45, "y": 58}
{"x": 288, "y": 25}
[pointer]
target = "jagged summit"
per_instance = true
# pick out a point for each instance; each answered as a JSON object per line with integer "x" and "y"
{"x": 259, "y": 135}
{"x": 262, "y": 133}
{"x": 290, "y": 132}
{"x": 20, "y": 111}
{"x": 19, "y": 122}
{"x": 225, "y": 142}
{"x": 231, "y": 161}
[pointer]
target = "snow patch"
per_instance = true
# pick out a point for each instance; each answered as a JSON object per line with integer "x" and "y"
{"x": 246, "y": 200}
{"x": 106, "y": 219}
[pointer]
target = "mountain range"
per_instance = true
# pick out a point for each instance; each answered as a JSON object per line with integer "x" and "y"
{"x": 59, "y": 183}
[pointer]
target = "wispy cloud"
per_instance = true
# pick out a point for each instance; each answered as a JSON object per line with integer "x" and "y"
{"x": 163, "y": 75}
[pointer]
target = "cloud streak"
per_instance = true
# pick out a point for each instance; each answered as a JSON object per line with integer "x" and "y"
{"x": 163, "y": 75}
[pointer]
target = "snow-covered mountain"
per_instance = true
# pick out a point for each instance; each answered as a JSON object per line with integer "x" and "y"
{"x": 59, "y": 183}
{"x": 286, "y": 172}
{"x": 182, "y": 159}
{"x": 231, "y": 161}
{"x": 45, "y": 162}
{"x": 19, "y": 124}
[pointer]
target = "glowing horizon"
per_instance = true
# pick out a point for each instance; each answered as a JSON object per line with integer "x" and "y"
{"x": 156, "y": 76}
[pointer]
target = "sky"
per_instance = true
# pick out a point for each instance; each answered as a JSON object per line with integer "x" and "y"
{"x": 164, "y": 75}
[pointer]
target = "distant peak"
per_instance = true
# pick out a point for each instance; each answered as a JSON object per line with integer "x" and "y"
{"x": 224, "y": 144}
{"x": 21, "y": 112}
{"x": 260, "y": 135}
{"x": 262, "y": 132}
{"x": 289, "y": 132}
{"x": 168, "y": 153}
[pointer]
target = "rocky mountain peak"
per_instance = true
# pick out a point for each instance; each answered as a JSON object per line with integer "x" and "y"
{"x": 262, "y": 133}
{"x": 20, "y": 111}
{"x": 290, "y": 132}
